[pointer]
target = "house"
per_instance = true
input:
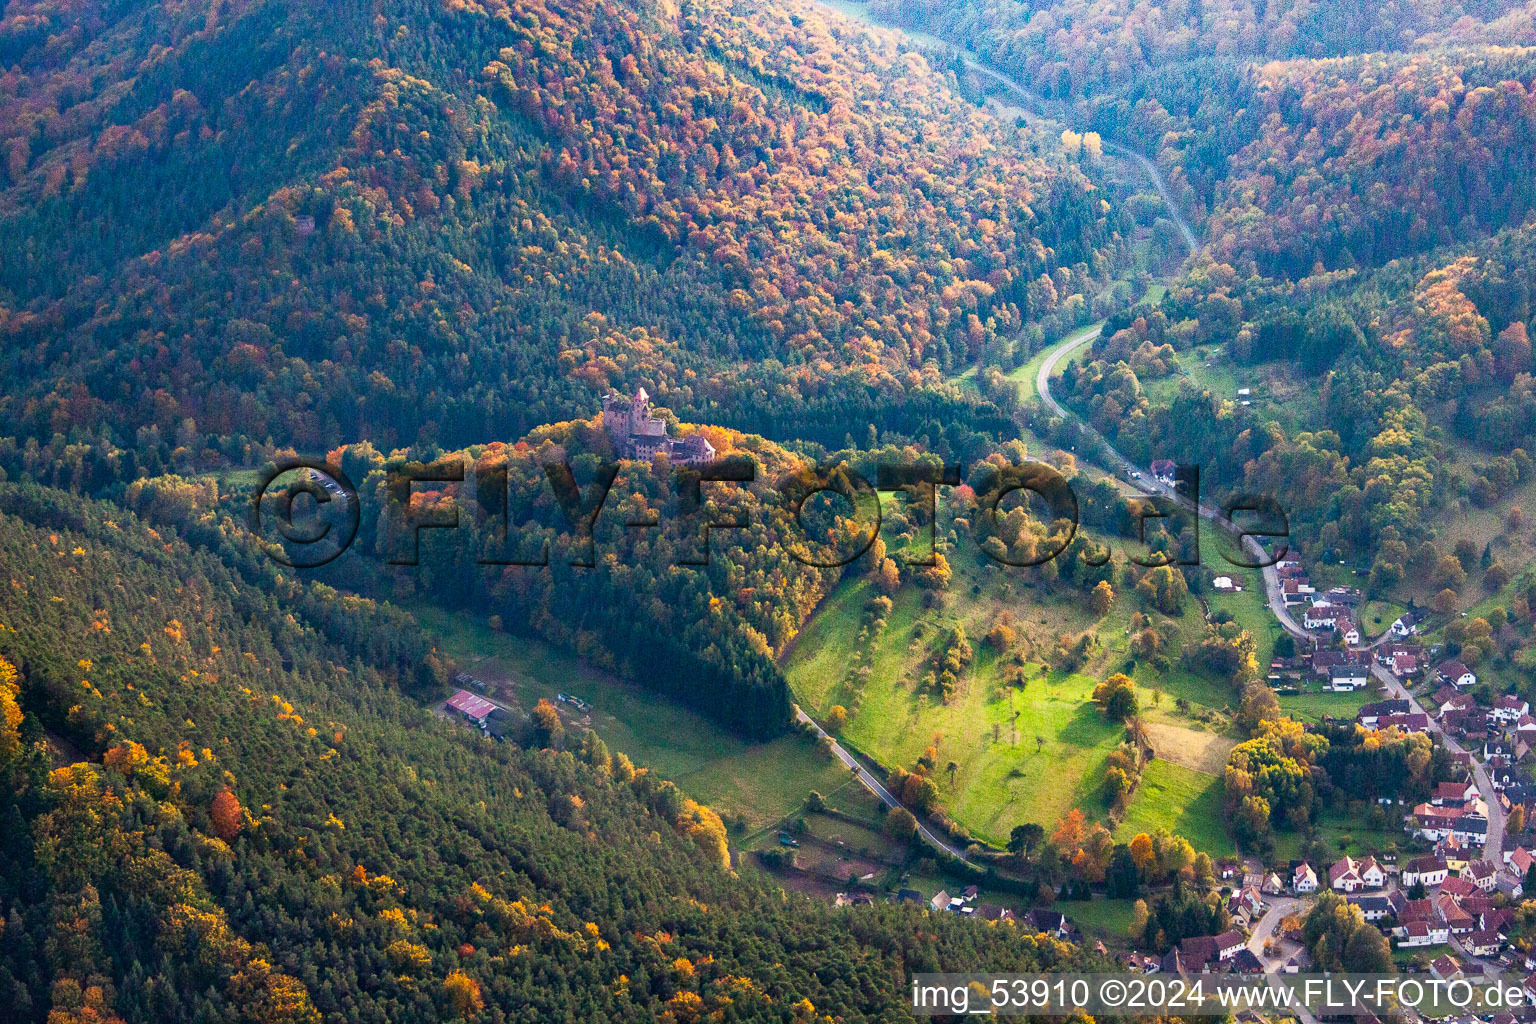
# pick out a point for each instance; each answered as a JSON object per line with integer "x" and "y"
{"x": 1407, "y": 911}
{"x": 1457, "y": 674}
{"x": 1303, "y": 879}
{"x": 1349, "y": 676}
{"x": 1296, "y": 590}
{"x": 1052, "y": 922}
{"x": 1175, "y": 962}
{"x": 1480, "y": 906}
{"x": 1485, "y": 943}
{"x": 1424, "y": 933}
{"x": 1245, "y": 962}
{"x": 1449, "y": 699}
{"x": 1324, "y": 662}
{"x": 1497, "y": 920}
{"x": 1458, "y": 888}
{"x": 1428, "y": 870}
{"x": 1141, "y": 963}
{"x": 1344, "y": 876}
{"x": 1372, "y": 908}
{"x": 1272, "y": 885}
{"x": 1415, "y": 722}
{"x": 1194, "y": 953}
{"x": 472, "y": 708}
{"x": 1446, "y": 968}
{"x": 1469, "y": 725}
{"x": 1471, "y": 828}
{"x": 909, "y": 896}
{"x": 1456, "y": 853}
{"x": 1351, "y": 634}
{"x": 1508, "y": 710}
{"x": 1370, "y": 714}
{"x": 1503, "y": 773}
{"x": 1407, "y": 624}
{"x": 1454, "y": 794}
{"x": 1458, "y": 921}
{"x": 1405, "y": 666}
{"x": 1247, "y": 905}
{"x": 1525, "y": 729}
{"x": 941, "y": 900}
{"x": 1228, "y": 943}
{"x": 1322, "y": 616}
{"x": 993, "y": 912}
{"x": 1501, "y": 746}
{"x": 1481, "y": 874}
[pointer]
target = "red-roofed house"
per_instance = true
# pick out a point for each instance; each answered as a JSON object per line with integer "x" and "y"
{"x": 474, "y": 708}
{"x": 1454, "y": 794}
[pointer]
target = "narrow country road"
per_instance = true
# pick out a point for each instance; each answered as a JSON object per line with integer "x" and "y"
{"x": 1124, "y": 467}
{"x": 1044, "y": 107}
{"x": 1035, "y": 103}
{"x": 876, "y": 787}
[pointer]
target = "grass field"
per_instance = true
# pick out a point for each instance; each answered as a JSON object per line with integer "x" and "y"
{"x": 1003, "y": 777}
{"x": 1026, "y": 755}
{"x": 757, "y": 783}
{"x": 1182, "y": 801}
{"x": 1197, "y": 750}
{"x": 1377, "y": 616}
{"x": 1334, "y": 827}
{"x": 1314, "y": 707}
{"x": 1105, "y": 919}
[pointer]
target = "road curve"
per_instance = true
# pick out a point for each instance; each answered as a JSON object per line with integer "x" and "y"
{"x": 1048, "y": 368}
{"x": 1124, "y": 467}
{"x": 1053, "y": 110}
{"x": 876, "y": 787}
{"x": 1044, "y": 107}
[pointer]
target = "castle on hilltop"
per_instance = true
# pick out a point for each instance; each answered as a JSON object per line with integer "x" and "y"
{"x": 636, "y": 434}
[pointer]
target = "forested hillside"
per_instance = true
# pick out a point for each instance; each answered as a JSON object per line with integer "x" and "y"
{"x": 221, "y": 803}
{"x": 1327, "y": 133}
{"x": 448, "y": 222}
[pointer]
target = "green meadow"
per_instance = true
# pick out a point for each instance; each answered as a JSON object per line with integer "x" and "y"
{"x": 755, "y": 783}
{"x": 1182, "y": 801}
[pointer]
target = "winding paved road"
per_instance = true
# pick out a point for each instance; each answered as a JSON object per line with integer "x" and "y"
{"x": 1124, "y": 467}
{"x": 1044, "y": 107}
{"x": 877, "y": 787}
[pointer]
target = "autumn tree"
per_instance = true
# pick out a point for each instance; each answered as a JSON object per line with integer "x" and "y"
{"x": 228, "y": 816}
{"x": 1101, "y": 598}
{"x": 463, "y": 994}
{"x": 547, "y": 727}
